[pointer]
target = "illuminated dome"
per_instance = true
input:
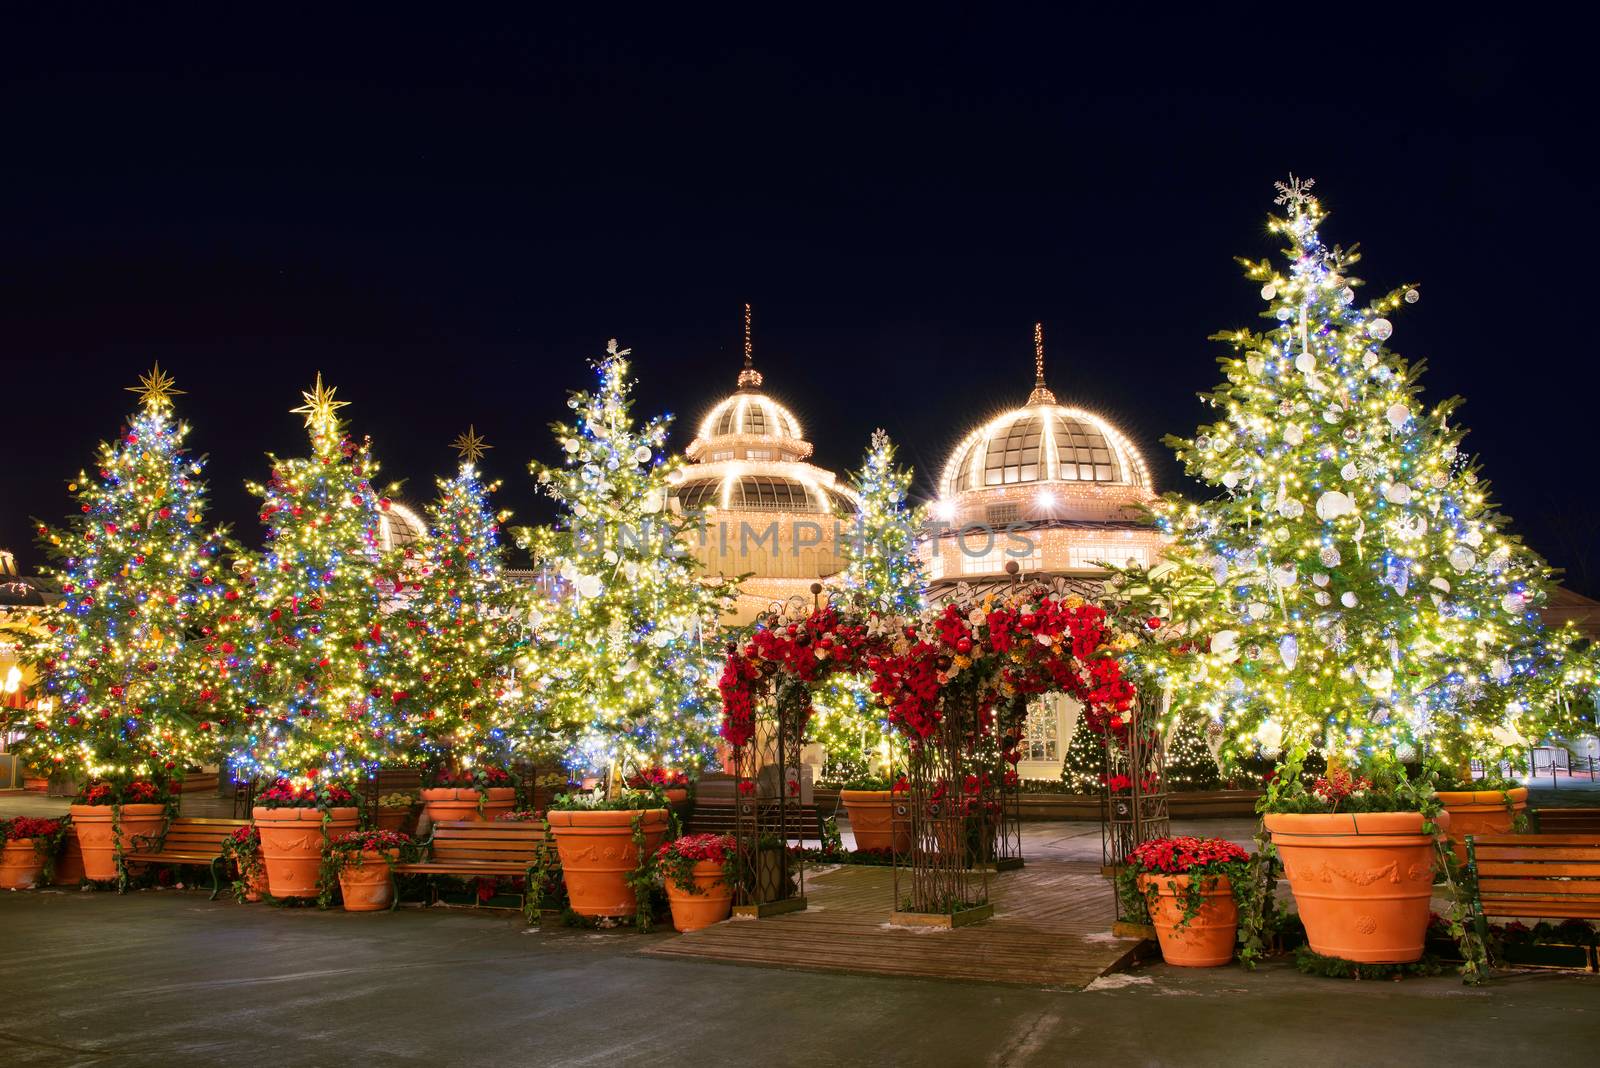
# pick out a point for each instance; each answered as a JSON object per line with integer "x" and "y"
{"x": 1044, "y": 442}
{"x": 399, "y": 527}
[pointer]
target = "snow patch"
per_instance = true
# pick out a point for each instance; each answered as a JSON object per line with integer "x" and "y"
{"x": 1119, "y": 981}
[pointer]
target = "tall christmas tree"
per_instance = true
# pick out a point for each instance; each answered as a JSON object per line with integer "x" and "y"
{"x": 314, "y": 633}
{"x": 1189, "y": 763}
{"x": 1085, "y": 761}
{"x": 1363, "y": 592}
{"x": 628, "y": 664}
{"x": 126, "y": 692}
{"x": 451, "y": 662}
{"x": 883, "y": 574}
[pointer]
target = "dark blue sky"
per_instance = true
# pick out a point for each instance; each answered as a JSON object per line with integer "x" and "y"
{"x": 446, "y": 212}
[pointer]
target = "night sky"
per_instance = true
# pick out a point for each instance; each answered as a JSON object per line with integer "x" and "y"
{"x": 448, "y": 214}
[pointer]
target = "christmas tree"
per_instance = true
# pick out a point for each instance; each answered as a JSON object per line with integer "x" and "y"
{"x": 314, "y": 633}
{"x": 126, "y": 693}
{"x": 1361, "y": 590}
{"x": 1085, "y": 762}
{"x": 1190, "y": 765}
{"x": 627, "y": 670}
{"x": 452, "y": 660}
{"x": 883, "y": 574}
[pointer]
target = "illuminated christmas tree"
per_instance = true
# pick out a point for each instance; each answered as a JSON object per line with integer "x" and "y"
{"x": 452, "y": 657}
{"x": 125, "y": 694}
{"x": 882, "y": 574}
{"x": 314, "y": 634}
{"x": 1361, "y": 590}
{"x": 627, "y": 670}
{"x": 1189, "y": 763}
{"x": 1085, "y": 761}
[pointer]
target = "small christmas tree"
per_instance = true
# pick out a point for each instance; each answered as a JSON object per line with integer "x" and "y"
{"x": 314, "y": 633}
{"x": 1085, "y": 762}
{"x": 1190, "y": 765}
{"x": 138, "y": 573}
{"x": 883, "y": 574}
{"x": 627, "y": 670}
{"x": 452, "y": 661}
{"x": 1359, "y": 589}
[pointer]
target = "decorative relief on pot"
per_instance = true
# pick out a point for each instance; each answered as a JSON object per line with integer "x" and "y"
{"x": 1366, "y": 924}
{"x": 1420, "y": 873}
{"x": 1360, "y": 876}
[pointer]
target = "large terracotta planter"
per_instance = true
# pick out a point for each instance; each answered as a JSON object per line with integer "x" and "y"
{"x": 1480, "y": 812}
{"x": 392, "y": 819}
{"x": 291, "y": 846}
{"x": 451, "y": 803}
{"x": 367, "y": 888}
{"x": 1207, "y": 939}
{"x": 21, "y": 867}
{"x": 690, "y": 912}
{"x": 92, "y": 826}
{"x": 873, "y": 822}
{"x": 677, "y": 795}
{"x": 598, "y": 854}
{"x": 256, "y": 888}
{"x": 1361, "y": 880}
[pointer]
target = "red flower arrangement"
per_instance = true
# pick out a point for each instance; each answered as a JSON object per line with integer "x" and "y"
{"x": 667, "y": 780}
{"x": 676, "y": 859}
{"x": 803, "y": 651}
{"x": 521, "y": 815}
{"x": 377, "y": 841}
{"x": 137, "y": 792}
{"x": 1186, "y": 855}
{"x": 1338, "y": 785}
{"x": 22, "y": 828}
{"x": 286, "y": 793}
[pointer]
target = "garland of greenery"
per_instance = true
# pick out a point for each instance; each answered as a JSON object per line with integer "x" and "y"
{"x": 1309, "y": 962}
{"x": 643, "y": 877}
{"x": 1462, "y": 882}
{"x": 547, "y": 886}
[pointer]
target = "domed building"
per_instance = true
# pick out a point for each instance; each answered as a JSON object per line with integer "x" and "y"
{"x": 764, "y": 511}
{"x": 1056, "y": 489}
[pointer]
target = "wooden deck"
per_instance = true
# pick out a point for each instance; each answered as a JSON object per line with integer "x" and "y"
{"x": 1051, "y": 929}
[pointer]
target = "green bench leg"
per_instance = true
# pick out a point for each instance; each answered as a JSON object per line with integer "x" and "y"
{"x": 216, "y": 883}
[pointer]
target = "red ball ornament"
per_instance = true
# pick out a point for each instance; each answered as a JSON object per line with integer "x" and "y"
{"x": 1153, "y": 623}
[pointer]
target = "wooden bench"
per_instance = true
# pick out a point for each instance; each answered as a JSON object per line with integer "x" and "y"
{"x": 186, "y": 840}
{"x": 718, "y": 817}
{"x": 1535, "y": 876}
{"x": 470, "y": 849}
{"x": 1567, "y": 820}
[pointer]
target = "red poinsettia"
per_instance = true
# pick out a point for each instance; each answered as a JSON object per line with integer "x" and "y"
{"x": 1186, "y": 855}
{"x": 287, "y": 793}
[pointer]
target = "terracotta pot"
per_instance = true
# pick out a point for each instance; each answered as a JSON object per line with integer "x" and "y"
{"x": 1480, "y": 812}
{"x": 257, "y": 888}
{"x": 291, "y": 845}
{"x": 1361, "y": 880}
{"x": 392, "y": 819}
{"x": 91, "y": 826}
{"x": 69, "y": 865}
{"x": 451, "y": 803}
{"x": 21, "y": 867}
{"x": 690, "y": 912}
{"x": 1207, "y": 939}
{"x": 597, "y": 856}
{"x": 367, "y": 888}
{"x": 677, "y": 795}
{"x": 874, "y": 822}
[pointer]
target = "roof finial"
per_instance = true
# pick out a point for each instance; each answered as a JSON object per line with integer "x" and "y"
{"x": 749, "y": 378}
{"x": 1041, "y": 393}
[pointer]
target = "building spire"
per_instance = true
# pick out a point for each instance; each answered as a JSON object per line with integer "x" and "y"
{"x": 749, "y": 377}
{"x": 1041, "y": 393}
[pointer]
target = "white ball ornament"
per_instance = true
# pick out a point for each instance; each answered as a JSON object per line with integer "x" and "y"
{"x": 1380, "y": 329}
{"x": 1257, "y": 611}
{"x": 1225, "y": 643}
{"x": 1290, "y": 508}
{"x": 1397, "y": 493}
{"x": 1333, "y": 504}
{"x": 1321, "y": 578}
{"x": 1285, "y": 576}
{"x": 1370, "y": 360}
{"x": 1474, "y": 537}
{"x": 1462, "y": 558}
{"x": 1412, "y": 296}
{"x": 641, "y": 455}
{"x": 1348, "y": 472}
{"x": 1513, "y": 602}
{"x": 1305, "y": 363}
{"x": 1323, "y": 598}
{"x": 1397, "y": 415}
{"x": 1269, "y": 291}
{"x": 1231, "y": 479}
{"x": 1294, "y": 433}
{"x": 1349, "y": 599}
{"x": 1255, "y": 365}
{"x": 1329, "y": 556}
{"x": 1347, "y": 295}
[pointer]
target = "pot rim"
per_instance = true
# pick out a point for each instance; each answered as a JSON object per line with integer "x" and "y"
{"x": 580, "y": 818}
{"x": 1517, "y": 794}
{"x": 294, "y": 815}
{"x": 1346, "y": 824}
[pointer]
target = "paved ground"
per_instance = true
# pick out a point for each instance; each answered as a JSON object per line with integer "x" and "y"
{"x": 164, "y": 978}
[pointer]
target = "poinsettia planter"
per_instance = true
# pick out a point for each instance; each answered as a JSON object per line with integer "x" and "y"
{"x": 292, "y": 841}
{"x": 366, "y": 886}
{"x": 598, "y": 854}
{"x": 21, "y": 865}
{"x": 1481, "y": 812}
{"x": 1207, "y": 939}
{"x": 712, "y": 904}
{"x": 1362, "y": 881}
{"x": 455, "y": 803}
{"x": 101, "y": 830}
{"x": 874, "y": 822}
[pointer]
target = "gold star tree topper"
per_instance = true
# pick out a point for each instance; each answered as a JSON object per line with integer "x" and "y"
{"x": 155, "y": 389}
{"x": 470, "y": 446}
{"x": 320, "y": 405}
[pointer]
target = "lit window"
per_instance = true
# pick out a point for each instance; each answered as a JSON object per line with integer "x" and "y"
{"x": 1041, "y": 737}
{"x": 1090, "y": 557}
{"x": 757, "y": 454}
